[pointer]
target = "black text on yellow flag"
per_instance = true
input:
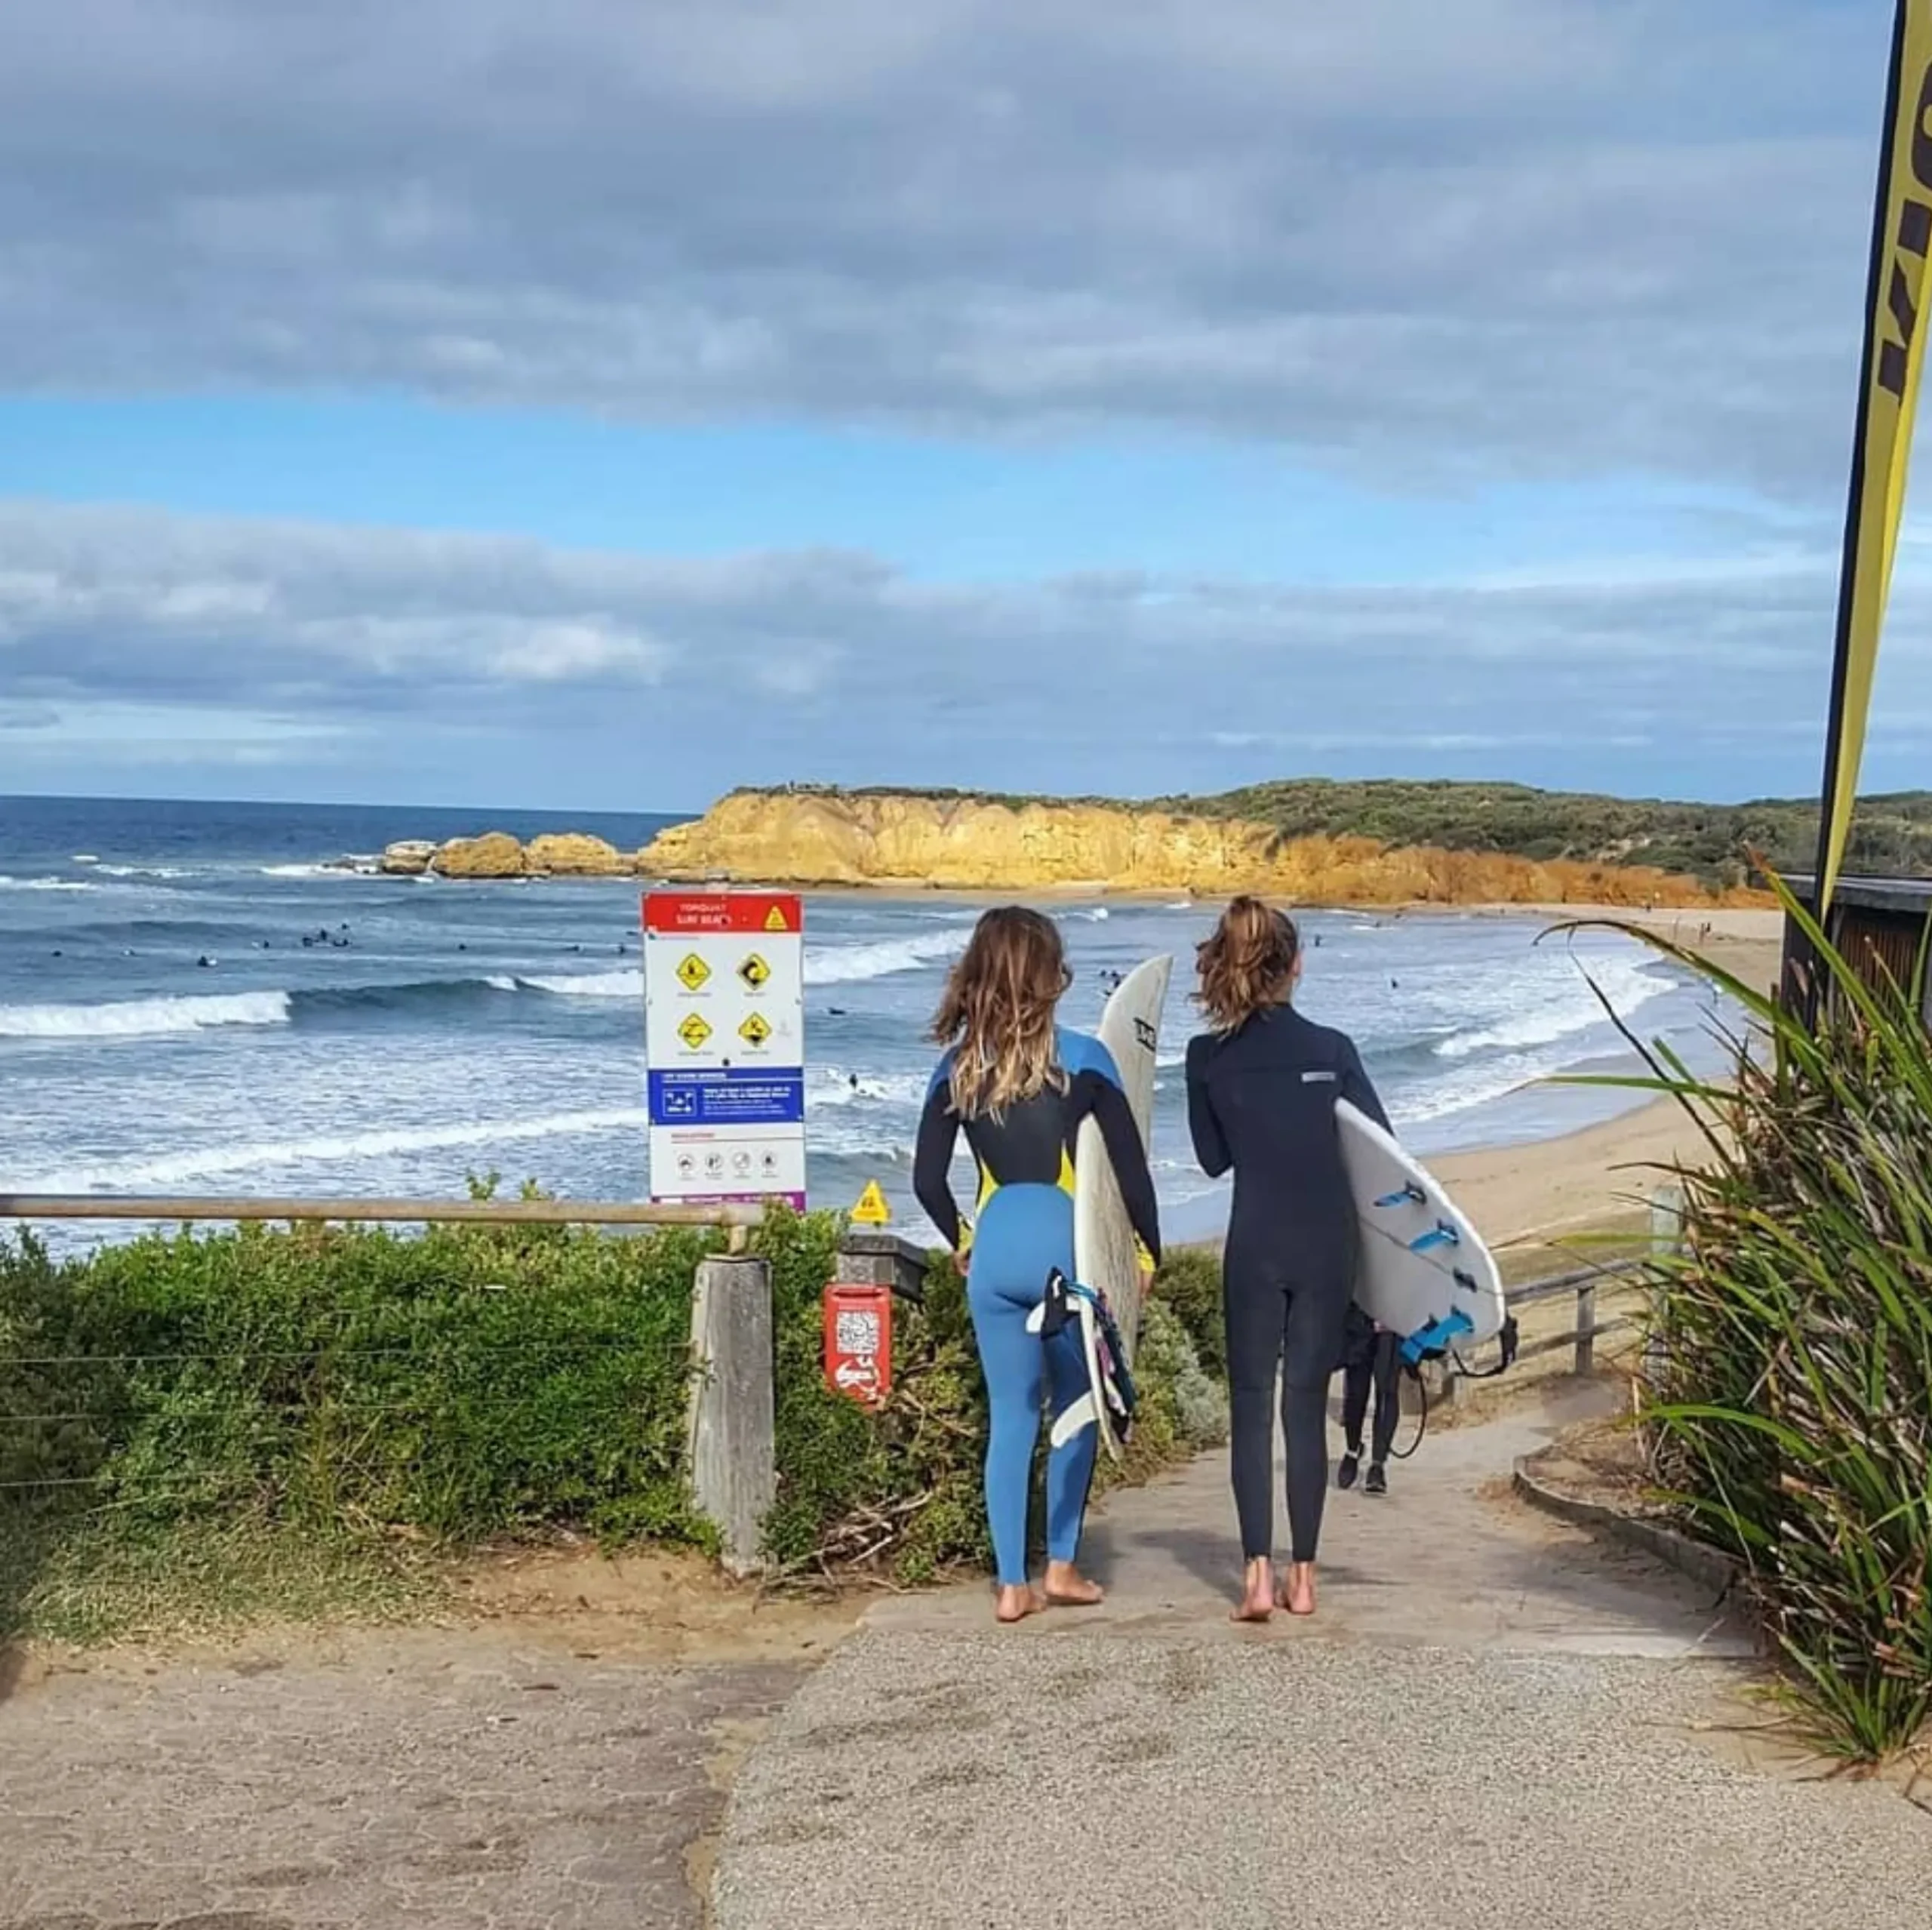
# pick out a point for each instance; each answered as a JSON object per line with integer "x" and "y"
{"x": 1894, "y": 356}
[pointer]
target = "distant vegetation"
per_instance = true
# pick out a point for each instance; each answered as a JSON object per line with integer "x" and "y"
{"x": 1891, "y": 835}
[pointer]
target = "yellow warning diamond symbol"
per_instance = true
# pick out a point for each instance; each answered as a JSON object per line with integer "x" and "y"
{"x": 754, "y": 971}
{"x": 754, "y": 1031}
{"x": 694, "y": 1031}
{"x": 693, "y": 971}
{"x": 774, "y": 921}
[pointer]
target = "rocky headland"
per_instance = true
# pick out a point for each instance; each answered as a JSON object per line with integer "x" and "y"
{"x": 904, "y": 842}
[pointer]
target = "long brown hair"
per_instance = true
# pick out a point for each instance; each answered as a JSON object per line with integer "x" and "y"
{"x": 997, "y": 1011}
{"x": 1248, "y": 964}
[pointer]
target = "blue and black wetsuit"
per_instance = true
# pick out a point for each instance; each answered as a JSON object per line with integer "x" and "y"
{"x": 1261, "y": 1100}
{"x": 1023, "y": 1230}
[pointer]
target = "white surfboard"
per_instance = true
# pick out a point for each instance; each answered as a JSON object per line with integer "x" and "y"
{"x": 1424, "y": 1273}
{"x": 1106, "y": 1256}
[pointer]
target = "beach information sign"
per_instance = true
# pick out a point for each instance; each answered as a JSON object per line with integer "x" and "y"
{"x": 724, "y": 1045}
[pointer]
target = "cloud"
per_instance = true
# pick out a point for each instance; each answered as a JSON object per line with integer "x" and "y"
{"x": 1515, "y": 237}
{"x": 703, "y": 672}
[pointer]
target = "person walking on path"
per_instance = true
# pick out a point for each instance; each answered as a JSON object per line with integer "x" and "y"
{"x": 1020, "y": 1086}
{"x": 1262, "y": 1084}
{"x": 1369, "y": 1362}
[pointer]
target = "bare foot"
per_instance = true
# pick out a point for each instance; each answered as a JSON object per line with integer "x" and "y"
{"x": 1069, "y": 1588}
{"x": 1257, "y": 1600}
{"x": 1015, "y": 1605}
{"x": 1298, "y": 1589}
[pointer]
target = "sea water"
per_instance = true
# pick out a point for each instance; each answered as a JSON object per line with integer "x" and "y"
{"x": 430, "y": 1031}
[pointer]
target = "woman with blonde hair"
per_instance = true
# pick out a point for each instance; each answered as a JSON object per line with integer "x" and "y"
{"x": 1262, "y": 1084}
{"x": 1019, "y": 1085}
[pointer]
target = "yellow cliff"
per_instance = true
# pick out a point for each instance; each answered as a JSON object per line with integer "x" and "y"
{"x": 907, "y": 841}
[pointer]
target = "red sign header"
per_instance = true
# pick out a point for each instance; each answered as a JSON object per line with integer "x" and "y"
{"x": 695, "y": 912}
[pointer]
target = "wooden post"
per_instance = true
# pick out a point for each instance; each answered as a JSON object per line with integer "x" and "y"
{"x": 1586, "y": 1328}
{"x": 733, "y": 1431}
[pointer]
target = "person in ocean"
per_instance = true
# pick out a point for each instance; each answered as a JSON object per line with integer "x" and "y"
{"x": 1019, "y": 1085}
{"x": 1262, "y": 1084}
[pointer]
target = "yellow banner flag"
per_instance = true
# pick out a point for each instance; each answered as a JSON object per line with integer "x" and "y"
{"x": 1888, "y": 398}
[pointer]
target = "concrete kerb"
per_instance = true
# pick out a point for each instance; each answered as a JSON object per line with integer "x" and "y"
{"x": 1701, "y": 1563}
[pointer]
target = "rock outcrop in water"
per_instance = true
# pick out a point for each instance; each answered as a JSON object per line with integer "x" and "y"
{"x": 572, "y": 854}
{"x": 906, "y": 841}
{"x": 495, "y": 854}
{"x": 408, "y": 859}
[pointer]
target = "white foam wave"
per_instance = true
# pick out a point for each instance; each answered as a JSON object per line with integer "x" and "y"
{"x": 133, "y": 1018}
{"x": 588, "y": 985}
{"x": 9, "y": 884}
{"x": 1095, "y": 914}
{"x": 1568, "y": 1010}
{"x": 833, "y": 1086}
{"x": 84, "y": 857}
{"x": 334, "y": 1148}
{"x": 163, "y": 871}
{"x": 848, "y": 965}
{"x": 497, "y": 982}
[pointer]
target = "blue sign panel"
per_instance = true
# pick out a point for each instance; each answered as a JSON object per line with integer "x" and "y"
{"x": 727, "y": 1095}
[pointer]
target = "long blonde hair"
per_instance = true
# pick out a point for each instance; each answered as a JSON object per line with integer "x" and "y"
{"x": 996, "y": 1012}
{"x": 1248, "y": 964}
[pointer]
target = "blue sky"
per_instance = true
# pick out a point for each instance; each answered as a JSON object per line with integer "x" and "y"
{"x": 598, "y": 407}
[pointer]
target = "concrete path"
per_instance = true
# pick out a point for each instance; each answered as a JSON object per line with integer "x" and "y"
{"x": 1492, "y": 1722}
{"x": 518, "y": 1789}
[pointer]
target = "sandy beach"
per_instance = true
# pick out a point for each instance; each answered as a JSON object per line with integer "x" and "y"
{"x": 1525, "y": 1193}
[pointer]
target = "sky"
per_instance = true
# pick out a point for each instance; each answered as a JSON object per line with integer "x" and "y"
{"x": 600, "y": 405}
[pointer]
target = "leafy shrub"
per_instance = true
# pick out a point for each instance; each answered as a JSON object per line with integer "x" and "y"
{"x": 469, "y": 1382}
{"x": 1796, "y": 1415}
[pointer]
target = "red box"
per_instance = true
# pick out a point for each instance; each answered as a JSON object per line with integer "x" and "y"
{"x": 858, "y": 1342}
{"x": 699, "y": 912}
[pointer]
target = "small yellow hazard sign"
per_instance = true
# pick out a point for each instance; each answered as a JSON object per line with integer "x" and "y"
{"x": 754, "y": 1031}
{"x": 692, "y": 971}
{"x": 754, "y": 971}
{"x": 871, "y": 1210}
{"x": 774, "y": 921}
{"x": 694, "y": 1031}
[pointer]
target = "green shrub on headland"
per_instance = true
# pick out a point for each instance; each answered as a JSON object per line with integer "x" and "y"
{"x": 366, "y": 1390}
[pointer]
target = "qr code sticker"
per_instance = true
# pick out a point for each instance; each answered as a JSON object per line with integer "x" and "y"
{"x": 857, "y": 1333}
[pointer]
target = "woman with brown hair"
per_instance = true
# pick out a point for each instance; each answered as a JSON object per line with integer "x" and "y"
{"x": 1262, "y": 1084}
{"x": 1019, "y": 1085}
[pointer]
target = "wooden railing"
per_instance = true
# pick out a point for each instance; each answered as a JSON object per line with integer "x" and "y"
{"x": 172, "y": 1209}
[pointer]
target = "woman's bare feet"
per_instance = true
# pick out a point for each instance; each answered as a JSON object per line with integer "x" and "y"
{"x": 1298, "y": 1589}
{"x": 1068, "y": 1588}
{"x": 1015, "y": 1605}
{"x": 1257, "y": 1600}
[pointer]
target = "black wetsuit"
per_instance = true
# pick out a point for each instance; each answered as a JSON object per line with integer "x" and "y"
{"x": 1371, "y": 1361}
{"x": 1261, "y": 1100}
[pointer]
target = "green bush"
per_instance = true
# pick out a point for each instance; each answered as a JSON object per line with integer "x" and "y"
{"x": 1795, "y": 1418}
{"x": 467, "y": 1384}
{"x": 1189, "y": 1282}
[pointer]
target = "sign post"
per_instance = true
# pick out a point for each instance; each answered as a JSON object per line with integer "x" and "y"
{"x": 724, "y": 1045}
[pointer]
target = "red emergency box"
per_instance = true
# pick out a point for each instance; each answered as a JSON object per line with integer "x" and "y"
{"x": 858, "y": 1342}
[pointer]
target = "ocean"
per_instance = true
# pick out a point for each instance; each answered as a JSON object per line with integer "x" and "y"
{"x": 429, "y": 1031}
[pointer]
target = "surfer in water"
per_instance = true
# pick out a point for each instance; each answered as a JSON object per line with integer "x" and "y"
{"x": 1019, "y": 1086}
{"x": 1262, "y": 1084}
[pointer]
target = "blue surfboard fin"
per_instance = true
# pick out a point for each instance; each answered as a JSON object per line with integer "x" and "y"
{"x": 1411, "y": 1194}
{"x": 1430, "y": 1342}
{"x": 1444, "y": 1235}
